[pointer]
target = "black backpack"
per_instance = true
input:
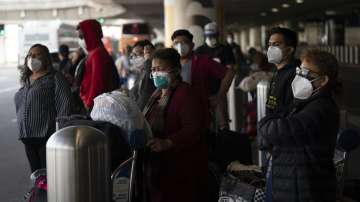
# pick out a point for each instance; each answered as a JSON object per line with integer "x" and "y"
{"x": 119, "y": 148}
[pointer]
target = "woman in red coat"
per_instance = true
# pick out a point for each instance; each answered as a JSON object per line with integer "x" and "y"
{"x": 178, "y": 164}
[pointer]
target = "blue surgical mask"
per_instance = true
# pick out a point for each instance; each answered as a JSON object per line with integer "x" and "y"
{"x": 161, "y": 79}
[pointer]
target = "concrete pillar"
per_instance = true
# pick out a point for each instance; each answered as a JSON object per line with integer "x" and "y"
{"x": 335, "y": 31}
{"x": 188, "y": 14}
{"x": 255, "y": 37}
{"x": 219, "y": 9}
{"x": 244, "y": 40}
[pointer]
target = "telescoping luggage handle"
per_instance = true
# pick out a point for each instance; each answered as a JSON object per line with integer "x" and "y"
{"x": 261, "y": 95}
{"x": 137, "y": 140}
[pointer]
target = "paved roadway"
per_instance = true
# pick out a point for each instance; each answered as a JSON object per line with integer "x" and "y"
{"x": 14, "y": 168}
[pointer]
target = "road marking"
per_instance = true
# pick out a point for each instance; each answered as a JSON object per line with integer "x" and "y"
{"x": 5, "y": 90}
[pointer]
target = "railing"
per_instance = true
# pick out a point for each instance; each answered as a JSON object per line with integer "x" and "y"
{"x": 344, "y": 54}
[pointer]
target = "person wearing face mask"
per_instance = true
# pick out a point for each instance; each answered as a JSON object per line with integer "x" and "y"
{"x": 282, "y": 46}
{"x": 143, "y": 84}
{"x": 173, "y": 114}
{"x": 137, "y": 58}
{"x": 260, "y": 70}
{"x": 44, "y": 95}
{"x": 199, "y": 70}
{"x": 236, "y": 50}
{"x": 100, "y": 74}
{"x": 213, "y": 48}
{"x": 221, "y": 54}
{"x": 303, "y": 141}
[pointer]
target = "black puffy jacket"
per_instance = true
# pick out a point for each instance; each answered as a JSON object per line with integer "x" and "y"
{"x": 303, "y": 145}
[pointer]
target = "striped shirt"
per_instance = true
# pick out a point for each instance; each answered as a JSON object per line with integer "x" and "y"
{"x": 39, "y": 103}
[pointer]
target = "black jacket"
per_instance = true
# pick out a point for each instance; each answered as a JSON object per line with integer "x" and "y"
{"x": 280, "y": 94}
{"x": 303, "y": 145}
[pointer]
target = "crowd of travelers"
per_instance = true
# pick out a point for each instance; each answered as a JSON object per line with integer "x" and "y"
{"x": 181, "y": 91}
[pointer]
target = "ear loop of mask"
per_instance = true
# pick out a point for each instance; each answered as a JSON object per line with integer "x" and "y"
{"x": 317, "y": 89}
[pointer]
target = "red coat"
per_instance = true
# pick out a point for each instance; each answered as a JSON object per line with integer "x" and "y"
{"x": 98, "y": 74}
{"x": 182, "y": 169}
{"x": 203, "y": 69}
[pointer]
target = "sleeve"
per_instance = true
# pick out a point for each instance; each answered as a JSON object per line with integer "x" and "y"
{"x": 63, "y": 96}
{"x": 279, "y": 131}
{"x": 190, "y": 132}
{"x": 248, "y": 83}
{"x": 18, "y": 98}
{"x": 98, "y": 78}
{"x": 215, "y": 69}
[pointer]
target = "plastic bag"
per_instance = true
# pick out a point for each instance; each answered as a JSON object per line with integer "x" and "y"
{"x": 118, "y": 109}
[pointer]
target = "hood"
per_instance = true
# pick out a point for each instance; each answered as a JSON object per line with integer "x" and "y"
{"x": 92, "y": 32}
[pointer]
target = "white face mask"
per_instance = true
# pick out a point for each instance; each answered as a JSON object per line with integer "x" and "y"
{"x": 211, "y": 42}
{"x": 229, "y": 40}
{"x": 182, "y": 48}
{"x": 137, "y": 62}
{"x": 34, "y": 64}
{"x": 274, "y": 55}
{"x": 82, "y": 45}
{"x": 302, "y": 87}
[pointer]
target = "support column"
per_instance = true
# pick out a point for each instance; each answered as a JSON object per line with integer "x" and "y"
{"x": 188, "y": 14}
{"x": 255, "y": 37}
{"x": 244, "y": 41}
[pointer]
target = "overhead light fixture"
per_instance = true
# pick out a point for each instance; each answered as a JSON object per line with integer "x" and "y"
{"x": 285, "y": 5}
{"x": 274, "y": 10}
{"x": 330, "y": 12}
{"x": 299, "y": 1}
{"x": 263, "y": 14}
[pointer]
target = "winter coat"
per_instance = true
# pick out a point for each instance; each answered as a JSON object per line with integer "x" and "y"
{"x": 303, "y": 145}
{"x": 181, "y": 171}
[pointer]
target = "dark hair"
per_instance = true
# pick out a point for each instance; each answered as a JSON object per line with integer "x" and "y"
{"x": 290, "y": 37}
{"x": 230, "y": 33}
{"x": 182, "y": 32}
{"x": 171, "y": 57}
{"x": 64, "y": 50}
{"x": 25, "y": 72}
{"x": 326, "y": 62}
{"x": 144, "y": 43}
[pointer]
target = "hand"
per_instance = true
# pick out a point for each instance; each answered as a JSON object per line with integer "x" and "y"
{"x": 148, "y": 52}
{"x": 160, "y": 145}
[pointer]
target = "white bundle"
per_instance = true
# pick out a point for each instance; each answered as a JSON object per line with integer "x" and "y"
{"x": 118, "y": 109}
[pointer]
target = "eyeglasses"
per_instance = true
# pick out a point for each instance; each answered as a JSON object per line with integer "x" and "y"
{"x": 305, "y": 72}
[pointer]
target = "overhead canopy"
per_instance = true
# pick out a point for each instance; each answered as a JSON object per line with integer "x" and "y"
{"x": 17, "y": 10}
{"x": 248, "y": 12}
{"x": 239, "y": 12}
